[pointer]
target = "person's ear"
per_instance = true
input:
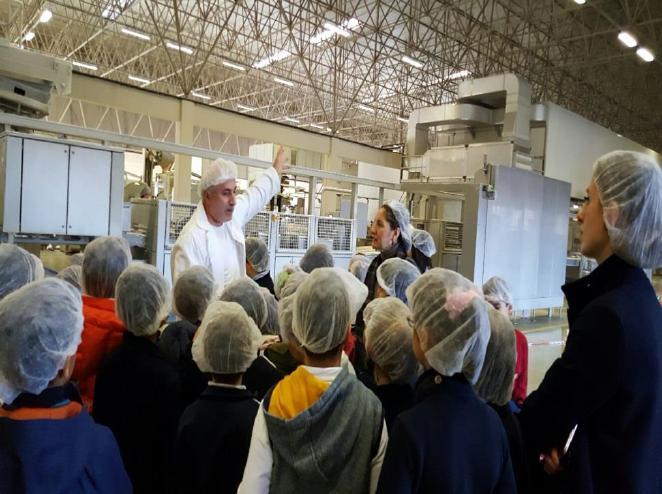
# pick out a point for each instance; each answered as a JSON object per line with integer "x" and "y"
{"x": 610, "y": 213}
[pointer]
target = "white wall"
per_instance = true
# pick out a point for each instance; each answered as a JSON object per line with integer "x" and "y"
{"x": 573, "y": 143}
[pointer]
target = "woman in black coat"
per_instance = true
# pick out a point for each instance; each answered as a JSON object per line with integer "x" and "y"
{"x": 608, "y": 382}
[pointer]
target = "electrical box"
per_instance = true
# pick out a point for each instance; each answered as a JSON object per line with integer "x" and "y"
{"x": 59, "y": 187}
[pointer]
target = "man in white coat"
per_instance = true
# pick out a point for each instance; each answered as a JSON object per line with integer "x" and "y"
{"x": 213, "y": 237}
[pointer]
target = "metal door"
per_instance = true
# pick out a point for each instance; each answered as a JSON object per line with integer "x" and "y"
{"x": 89, "y": 191}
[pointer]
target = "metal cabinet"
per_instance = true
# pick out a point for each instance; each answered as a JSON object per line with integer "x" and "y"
{"x": 89, "y": 173}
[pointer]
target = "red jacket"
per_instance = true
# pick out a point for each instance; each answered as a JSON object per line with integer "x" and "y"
{"x": 521, "y": 368}
{"x": 102, "y": 334}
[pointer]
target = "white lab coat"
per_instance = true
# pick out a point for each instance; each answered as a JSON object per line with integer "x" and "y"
{"x": 222, "y": 249}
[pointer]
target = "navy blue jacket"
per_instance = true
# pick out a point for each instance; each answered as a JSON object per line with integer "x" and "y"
{"x": 450, "y": 442}
{"x": 608, "y": 382}
{"x": 138, "y": 395}
{"x": 63, "y": 454}
{"x": 213, "y": 439}
{"x": 395, "y": 398}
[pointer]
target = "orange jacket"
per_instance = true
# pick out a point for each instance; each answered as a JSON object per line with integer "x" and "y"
{"x": 102, "y": 334}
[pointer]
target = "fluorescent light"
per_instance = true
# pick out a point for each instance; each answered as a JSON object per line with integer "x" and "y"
{"x": 328, "y": 129}
{"x": 201, "y": 96}
{"x": 276, "y": 57}
{"x": 580, "y": 2}
{"x": 135, "y": 34}
{"x": 84, "y": 65}
{"x": 627, "y": 39}
{"x": 413, "y": 62}
{"x": 246, "y": 108}
{"x": 46, "y": 16}
{"x": 29, "y": 36}
{"x": 139, "y": 79}
{"x": 285, "y": 82}
{"x": 366, "y": 108}
{"x": 175, "y": 46}
{"x": 403, "y": 120}
{"x": 293, "y": 120}
{"x": 114, "y": 9}
{"x": 337, "y": 29}
{"x": 645, "y": 54}
{"x": 317, "y": 126}
{"x": 459, "y": 74}
{"x": 351, "y": 23}
{"x": 320, "y": 37}
{"x": 233, "y": 65}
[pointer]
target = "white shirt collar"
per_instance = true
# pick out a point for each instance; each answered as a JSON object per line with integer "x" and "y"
{"x": 327, "y": 374}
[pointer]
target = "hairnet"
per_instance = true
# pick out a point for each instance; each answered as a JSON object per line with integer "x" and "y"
{"x": 450, "y": 320}
{"x": 227, "y": 341}
{"x": 104, "y": 260}
{"x": 17, "y": 268}
{"x": 72, "y": 274}
{"x": 630, "y": 188}
{"x": 257, "y": 254}
{"x": 496, "y": 292}
{"x": 317, "y": 256}
{"x": 495, "y": 384}
{"x": 40, "y": 327}
{"x": 247, "y": 293}
{"x": 142, "y": 299}
{"x": 286, "y": 305}
{"x": 395, "y": 275}
{"x": 388, "y": 339}
{"x": 192, "y": 293}
{"x": 281, "y": 279}
{"x": 270, "y": 325}
{"x": 322, "y": 310}
{"x": 423, "y": 241}
{"x": 402, "y": 219}
{"x": 219, "y": 171}
{"x": 358, "y": 266}
{"x": 77, "y": 259}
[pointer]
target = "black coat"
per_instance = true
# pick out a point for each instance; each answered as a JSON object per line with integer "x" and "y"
{"x": 261, "y": 376}
{"x": 609, "y": 382}
{"x": 395, "y": 398}
{"x": 450, "y": 442}
{"x": 266, "y": 282}
{"x": 213, "y": 439}
{"x": 138, "y": 396}
{"x": 518, "y": 456}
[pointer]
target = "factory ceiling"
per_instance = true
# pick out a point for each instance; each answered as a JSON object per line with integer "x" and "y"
{"x": 357, "y": 68}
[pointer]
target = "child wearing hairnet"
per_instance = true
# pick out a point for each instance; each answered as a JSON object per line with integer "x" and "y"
{"x": 319, "y": 429}
{"x": 138, "y": 390}
{"x": 450, "y": 441}
{"x": 215, "y": 431}
{"x": 257, "y": 263}
{"x": 48, "y": 442}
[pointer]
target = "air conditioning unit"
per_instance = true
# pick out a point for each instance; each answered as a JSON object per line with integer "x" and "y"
{"x": 27, "y": 80}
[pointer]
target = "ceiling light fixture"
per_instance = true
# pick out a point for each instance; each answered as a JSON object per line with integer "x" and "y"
{"x": 293, "y": 120}
{"x": 276, "y": 57}
{"x": 627, "y": 39}
{"x": 328, "y": 129}
{"x": 245, "y": 108}
{"x": 84, "y": 65}
{"x": 182, "y": 48}
{"x": 320, "y": 37}
{"x": 460, "y": 74}
{"x": 135, "y": 34}
{"x": 403, "y": 120}
{"x": 645, "y": 54}
{"x": 352, "y": 23}
{"x": 233, "y": 65}
{"x": 29, "y": 36}
{"x": 139, "y": 79}
{"x": 45, "y": 16}
{"x": 412, "y": 61}
{"x": 580, "y": 2}
{"x": 201, "y": 96}
{"x": 317, "y": 126}
{"x": 366, "y": 108}
{"x": 284, "y": 82}
{"x": 337, "y": 29}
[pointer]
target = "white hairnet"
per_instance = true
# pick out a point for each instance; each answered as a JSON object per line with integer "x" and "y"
{"x": 192, "y": 293}
{"x": 227, "y": 341}
{"x": 450, "y": 320}
{"x": 257, "y": 254}
{"x": 72, "y": 274}
{"x": 270, "y": 325}
{"x": 395, "y": 275}
{"x": 17, "y": 268}
{"x": 324, "y": 306}
{"x": 358, "y": 266}
{"x": 388, "y": 339}
{"x": 402, "y": 220}
{"x": 286, "y": 305}
{"x": 40, "y": 327}
{"x": 104, "y": 260}
{"x": 423, "y": 241}
{"x": 142, "y": 299}
{"x": 247, "y": 293}
{"x": 495, "y": 384}
{"x": 630, "y": 188}
{"x": 497, "y": 292}
{"x": 283, "y": 276}
{"x": 317, "y": 256}
{"x": 219, "y": 171}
